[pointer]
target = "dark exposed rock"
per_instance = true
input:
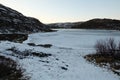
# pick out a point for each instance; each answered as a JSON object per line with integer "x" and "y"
{"x": 44, "y": 61}
{"x": 45, "y": 45}
{"x": 40, "y": 54}
{"x": 12, "y": 21}
{"x": 31, "y": 44}
{"x": 64, "y": 68}
{"x": 57, "y": 59}
{"x": 41, "y": 45}
{"x": 27, "y": 53}
{"x": 13, "y": 37}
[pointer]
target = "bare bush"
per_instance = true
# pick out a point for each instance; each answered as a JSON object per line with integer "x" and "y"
{"x": 111, "y": 46}
{"x": 107, "y": 47}
{"x": 119, "y": 46}
{"x": 107, "y": 54}
{"x": 9, "y": 69}
{"x": 100, "y": 47}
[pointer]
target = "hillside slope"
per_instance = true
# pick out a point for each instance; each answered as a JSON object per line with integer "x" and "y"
{"x": 12, "y": 21}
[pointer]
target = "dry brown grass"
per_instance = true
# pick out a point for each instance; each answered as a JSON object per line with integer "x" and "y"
{"x": 107, "y": 54}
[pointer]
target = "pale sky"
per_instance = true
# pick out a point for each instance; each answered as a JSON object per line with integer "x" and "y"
{"x": 51, "y": 11}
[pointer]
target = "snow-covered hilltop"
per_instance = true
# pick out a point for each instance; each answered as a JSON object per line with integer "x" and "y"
{"x": 12, "y": 21}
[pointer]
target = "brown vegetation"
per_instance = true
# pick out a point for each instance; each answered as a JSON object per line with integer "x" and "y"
{"x": 107, "y": 54}
{"x": 13, "y": 37}
{"x": 9, "y": 70}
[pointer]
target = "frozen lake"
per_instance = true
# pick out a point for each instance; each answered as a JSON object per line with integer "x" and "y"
{"x": 74, "y": 38}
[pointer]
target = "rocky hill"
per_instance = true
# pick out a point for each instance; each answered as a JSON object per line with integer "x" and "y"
{"x": 99, "y": 24}
{"x": 11, "y": 21}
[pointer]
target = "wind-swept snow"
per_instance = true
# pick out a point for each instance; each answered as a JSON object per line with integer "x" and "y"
{"x": 66, "y": 62}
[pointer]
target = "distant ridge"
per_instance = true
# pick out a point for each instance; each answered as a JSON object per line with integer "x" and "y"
{"x": 100, "y": 24}
{"x": 90, "y": 24}
{"x": 11, "y": 21}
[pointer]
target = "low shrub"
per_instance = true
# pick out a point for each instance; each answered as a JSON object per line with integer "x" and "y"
{"x": 107, "y": 55}
{"x": 108, "y": 47}
{"x": 9, "y": 70}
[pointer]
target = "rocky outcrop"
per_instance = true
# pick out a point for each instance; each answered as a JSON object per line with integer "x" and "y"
{"x": 12, "y": 21}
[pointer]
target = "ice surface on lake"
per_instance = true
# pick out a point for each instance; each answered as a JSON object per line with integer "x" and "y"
{"x": 73, "y": 38}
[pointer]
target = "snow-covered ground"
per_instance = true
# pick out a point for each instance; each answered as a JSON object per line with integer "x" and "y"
{"x": 66, "y": 62}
